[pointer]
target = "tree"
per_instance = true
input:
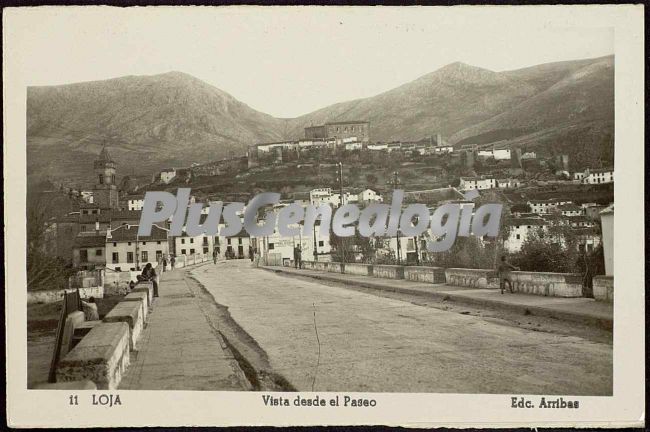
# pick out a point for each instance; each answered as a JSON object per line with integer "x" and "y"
{"x": 44, "y": 271}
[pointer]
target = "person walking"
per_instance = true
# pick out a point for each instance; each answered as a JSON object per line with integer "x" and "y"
{"x": 172, "y": 261}
{"x": 250, "y": 253}
{"x": 164, "y": 264}
{"x": 215, "y": 255}
{"x": 299, "y": 252}
{"x": 503, "y": 271}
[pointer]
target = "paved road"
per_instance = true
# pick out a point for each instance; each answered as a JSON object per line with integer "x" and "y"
{"x": 373, "y": 343}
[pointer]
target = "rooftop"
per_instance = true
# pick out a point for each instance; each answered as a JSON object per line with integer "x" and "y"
{"x": 130, "y": 233}
{"x": 86, "y": 241}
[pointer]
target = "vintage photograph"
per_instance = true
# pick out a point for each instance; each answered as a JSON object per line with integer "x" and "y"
{"x": 308, "y": 216}
{"x": 345, "y": 114}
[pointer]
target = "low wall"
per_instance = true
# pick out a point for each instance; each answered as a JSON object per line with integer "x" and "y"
{"x": 388, "y": 271}
{"x": 320, "y": 265}
{"x": 51, "y": 296}
{"x": 547, "y": 284}
{"x": 102, "y": 357}
{"x": 425, "y": 274}
{"x": 117, "y": 283}
{"x": 472, "y": 278}
{"x": 131, "y": 313}
{"x": 358, "y": 269}
{"x": 86, "y": 279}
{"x": 604, "y": 288}
{"x": 335, "y": 267}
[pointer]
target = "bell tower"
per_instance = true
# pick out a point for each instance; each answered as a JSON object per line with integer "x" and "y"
{"x": 105, "y": 193}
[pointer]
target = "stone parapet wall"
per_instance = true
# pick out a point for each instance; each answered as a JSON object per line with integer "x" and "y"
{"x": 471, "y": 278}
{"x": 131, "y": 313}
{"x": 425, "y": 274}
{"x": 102, "y": 357}
{"x": 335, "y": 267}
{"x": 52, "y": 296}
{"x": 388, "y": 271}
{"x": 547, "y": 284}
{"x": 358, "y": 269}
{"x": 604, "y": 288}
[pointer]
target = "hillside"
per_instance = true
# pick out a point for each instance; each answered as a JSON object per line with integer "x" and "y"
{"x": 148, "y": 121}
{"x": 175, "y": 119}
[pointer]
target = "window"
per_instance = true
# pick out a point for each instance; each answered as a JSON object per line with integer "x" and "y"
{"x": 101, "y": 179}
{"x": 321, "y": 243}
{"x": 191, "y": 240}
{"x": 271, "y": 246}
{"x": 205, "y": 241}
{"x": 144, "y": 243}
{"x": 129, "y": 257}
{"x": 518, "y": 236}
{"x": 228, "y": 240}
{"x": 240, "y": 240}
{"x": 145, "y": 256}
{"x": 191, "y": 251}
{"x": 83, "y": 255}
{"x": 216, "y": 240}
{"x": 98, "y": 252}
{"x": 158, "y": 255}
{"x": 183, "y": 241}
{"x": 116, "y": 257}
{"x": 114, "y": 244}
{"x": 129, "y": 243}
{"x": 205, "y": 250}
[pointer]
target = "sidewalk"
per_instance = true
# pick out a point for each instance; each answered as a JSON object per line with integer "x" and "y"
{"x": 582, "y": 310}
{"x": 178, "y": 349}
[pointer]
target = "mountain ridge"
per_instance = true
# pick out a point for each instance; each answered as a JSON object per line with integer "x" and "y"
{"x": 174, "y": 118}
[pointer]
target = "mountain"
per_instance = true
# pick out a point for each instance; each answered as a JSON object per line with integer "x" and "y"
{"x": 462, "y": 101}
{"x": 579, "y": 96}
{"x": 175, "y": 119}
{"x": 148, "y": 121}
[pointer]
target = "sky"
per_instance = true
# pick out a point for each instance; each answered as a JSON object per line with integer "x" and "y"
{"x": 290, "y": 61}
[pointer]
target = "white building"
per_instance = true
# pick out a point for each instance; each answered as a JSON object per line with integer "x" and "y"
{"x": 370, "y": 196}
{"x": 353, "y": 146}
{"x": 470, "y": 183}
{"x": 508, "y": 183}
{"x": 497, "y": 154}
{"x": 607, "y": 223}
{"x": 570, "y": 210}
{"x": 379, "y": 146}
{"x": 546, "y": 206}
{"x": 135, "y": 202}
{"x": 598, "y": 176}
{"x": 521, "y": 229}
{"x": 167, "y": 175}
{"x": 125, "y": 250}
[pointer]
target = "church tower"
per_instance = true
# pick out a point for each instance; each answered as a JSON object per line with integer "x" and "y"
{"x": 105, "y": 194}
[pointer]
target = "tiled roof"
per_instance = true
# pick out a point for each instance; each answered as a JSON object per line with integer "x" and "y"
{"x": 90, "y": 240}
{"x": 129, "y": 233}
{"x": 527, "y": 221}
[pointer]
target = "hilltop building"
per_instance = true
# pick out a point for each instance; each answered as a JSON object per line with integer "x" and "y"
{"x": 340, "y": 130}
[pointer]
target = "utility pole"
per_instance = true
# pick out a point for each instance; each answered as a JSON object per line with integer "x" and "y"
{"x": 395, "y": 183}
{"x": 315, "y": 245}
{"x": 341, "y": 183}
{"x": 341, "y": 239}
